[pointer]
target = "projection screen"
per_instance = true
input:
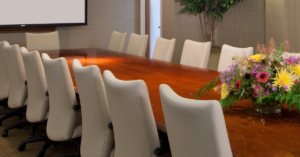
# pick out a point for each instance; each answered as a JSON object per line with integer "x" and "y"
{"x": 24, "y": 13}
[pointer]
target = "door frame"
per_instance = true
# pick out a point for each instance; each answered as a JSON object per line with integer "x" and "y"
{"x": 147, "y": 25}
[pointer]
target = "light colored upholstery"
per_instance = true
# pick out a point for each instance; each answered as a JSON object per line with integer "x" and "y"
{"x": 63, "y": 121}
{"x": 195, "y": 54}
{"x": 228, "y": 52}
{"x": 117, "y": 42}
{"x": 137, "y": 44}
{"x": 132, "y": 117}
{"x": 4, "y": 80}
{"x": 42, "y": 41}
{"x": 38, "y": 102}
{"x": 97, "y": 138}
{"x": 195, "y": 128}
{"x": 287, "y": 54}
{"x": 17, "y": 77}
{"x": 164, "y": 49}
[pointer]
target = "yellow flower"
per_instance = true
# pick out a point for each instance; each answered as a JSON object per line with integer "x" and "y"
{"x": 296, "y": 70}
{"x": 224, "y": 91}
{"x": 257, "y": 57}
{"x": 284, "y": 79}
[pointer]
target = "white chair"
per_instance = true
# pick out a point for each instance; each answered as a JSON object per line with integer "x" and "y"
{"x": 137, "y": 44}
{"x": 132, "y": 117}
{"x": 287, "y": 54}
{"x": 64, "y": 122}
{"x": 4, "y": 79}
{"x": 42, "y": 41}
{"x": 195, "y": 128}
{"x": 97, "y": 138}
{"x": 117, "y": 42}
{"x": 195, "y": 54}
{"x": 38, "y": 101}
{"x": 228, "y": 52}
{"x": 17, "y": 87}
{"x": 164, "y": 49}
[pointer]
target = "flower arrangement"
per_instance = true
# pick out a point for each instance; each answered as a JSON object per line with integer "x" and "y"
{"x": 266, "y": 78}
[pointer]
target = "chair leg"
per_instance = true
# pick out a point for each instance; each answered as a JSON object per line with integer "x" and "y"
{"x": 78, "y": 143}
{"x": 4, "y": 103}
{"x": 41, "y": 153}
{"x": 18, "y": 125}
{"x": 9, "y": 115}
{"x": 164, "y": 146}
{"x": 34, "y": 127}
{"x": 6, "y": 112}
{"x": 22, "y": 146}
{"x": 22, "y": 113}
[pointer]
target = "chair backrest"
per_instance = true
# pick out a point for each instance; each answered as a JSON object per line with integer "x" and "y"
{"x": 228, "y": 52}
{"x": 117, "y": 41}
{"x": 195, "y": 127}
{"x": 137, "y": 44}
{"x": 37, "y": 102}
{"x": 97, "y": 138}
{"x": 132, "y": 117}
{"x": 287, "y": 54}
{"x": 4, "y": 79}
{"x": 42, "y": 41}
{"x": 62, "y": 117}
{"x": 195, "y": 54}
{"x": 164, "y": 49}
{"x": 17, "y": 77}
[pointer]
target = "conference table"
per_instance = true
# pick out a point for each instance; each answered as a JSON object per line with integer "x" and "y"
{"x": 250, "y": 134}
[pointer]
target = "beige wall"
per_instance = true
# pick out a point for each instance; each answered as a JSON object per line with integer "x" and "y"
{"x": 104, "y": 16}
{"x": 167, "y": 26}
{"x": 292, "y": 24}
{"x": 242, "y": 26}
{"x": 275, "y": 20}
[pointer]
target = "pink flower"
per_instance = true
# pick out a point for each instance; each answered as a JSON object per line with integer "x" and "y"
{"x": 238, "y": 84}
{"x": 262, "y": 77}
{"x": 267, "y": 92}
{"x": 258, "y": 90}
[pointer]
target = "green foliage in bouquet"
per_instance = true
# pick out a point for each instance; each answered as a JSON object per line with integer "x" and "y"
{"x": 264, "y": 78}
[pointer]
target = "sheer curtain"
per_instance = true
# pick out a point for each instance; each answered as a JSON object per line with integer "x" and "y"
{"x": 283, "y": 22}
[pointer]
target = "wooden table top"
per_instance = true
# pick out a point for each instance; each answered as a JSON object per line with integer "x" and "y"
{"x": 250, "y": 134}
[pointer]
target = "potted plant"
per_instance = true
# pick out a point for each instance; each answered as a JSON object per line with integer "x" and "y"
{"x": 210, "y": 12}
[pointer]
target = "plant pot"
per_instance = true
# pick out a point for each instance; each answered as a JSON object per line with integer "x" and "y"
{"x": 273, "y": 108}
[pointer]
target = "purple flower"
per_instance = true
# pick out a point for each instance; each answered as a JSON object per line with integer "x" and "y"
{"x": 285, "y": 87}
{"x": 280, "y": 94}
{"x": 253, "y": 74}
{"x": 274, "y": 88}
{"x": 269, "y": 83}
{"x": 267, "y": 92}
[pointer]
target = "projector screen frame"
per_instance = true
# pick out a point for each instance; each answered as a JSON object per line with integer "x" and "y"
{"x": 52, "y": 24}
